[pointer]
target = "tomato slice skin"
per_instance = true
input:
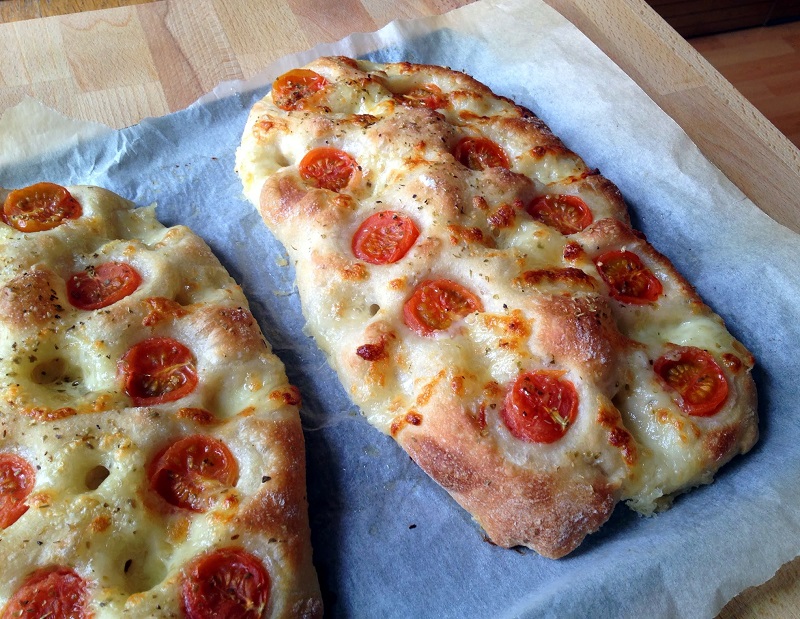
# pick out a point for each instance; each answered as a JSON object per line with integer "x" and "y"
{"x": 103, "y": 285}
{"x": 436, "y": 304}
{"x": 429, "y": 96}
{"x": 229, "y": 583}
{"x": 190, "y": 472}
{"x": 328, "y": 168}
{"x": 480, "y": 154}
{"x": 290, "y": 90}
{"x": 39, "y": 207}
{"x": 695, "y": 379}
{"x": 384, "y": 238}
{"x": 54, "y": 592}
{"x": 158, "y": 370}
{"x": 567, "y": 214}
{"x": 540, "y": 407}
{"x": 628, "y": 279}
{"x": 17, "y": 478}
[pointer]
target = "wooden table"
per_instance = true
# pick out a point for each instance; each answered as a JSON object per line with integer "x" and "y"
{"x": 119, "y": 65}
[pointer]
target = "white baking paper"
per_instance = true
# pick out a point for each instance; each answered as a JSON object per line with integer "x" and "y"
{"x": 388, "y": 541}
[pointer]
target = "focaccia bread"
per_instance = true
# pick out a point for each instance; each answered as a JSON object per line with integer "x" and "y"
{"x": 151, "y": 455}
{"x": 484, "y": 300}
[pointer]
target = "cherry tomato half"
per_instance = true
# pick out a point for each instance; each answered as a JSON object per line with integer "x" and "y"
{"x": 540, "y": 407}
{"x": 42, "y": 206}
{"x": 158, "y": 370}
{"x": 192, "y": 471}
{"x": 480, "y": 153}
{"x": 429, "y": 96}
{"x": 290, "y": 89}
{"x": 695, "y": 379}
{"x": 628, "y": 279}
{"x": 54, "y": 592}
{"x": 103, "y": 285}
{"x": 437, "y": 304}
{"x": 328, "y": 168}
{"x": 229, "y": 583}
{"x": 17, "y": 479}
{"x": 567, "y": 214}
{"x": 384, "y": 238}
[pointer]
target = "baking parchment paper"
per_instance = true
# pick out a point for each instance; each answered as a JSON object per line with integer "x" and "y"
{"x": 388, "y": 541}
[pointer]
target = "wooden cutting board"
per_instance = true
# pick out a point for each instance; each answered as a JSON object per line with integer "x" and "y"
{"x": 119, "y": 65}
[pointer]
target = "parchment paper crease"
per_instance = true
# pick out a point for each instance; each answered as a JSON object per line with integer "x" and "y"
{"x": 388, "y": 542}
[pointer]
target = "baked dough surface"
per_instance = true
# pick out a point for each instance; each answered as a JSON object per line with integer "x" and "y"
{"x": 543, "y": 304}
{"x": 64, "y": 409}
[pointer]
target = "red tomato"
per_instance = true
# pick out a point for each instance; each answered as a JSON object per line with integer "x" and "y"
{"x": 192, "y": 471}
{"x": 567, "y": 214}
{"x": 290, "y": 89}
{"x": 42, "y": 206}
{"x": 384, "y": 238}
{"x": 17, "y": 479}
{"x": 540, "y": 407}
{"x": 480, "y": 153}
{"x": 437, "y": 304}
{"x": 54, "y": 592}
{"x": 158, "y": 370}
{"x": 102, "y": 285}
{"x": 228, "y": 583}
{"x": 628, "y": 279}
{"x": 429, "y": 96}
{"x": 695, "y": 378}
{"x": 328, "y": 168}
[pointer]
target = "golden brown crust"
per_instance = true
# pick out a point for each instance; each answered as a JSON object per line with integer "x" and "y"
{"x": 580, "y": 331}
{"x": 279, "y": 508}
{"x": 551, "y": 513}
{"x": 231, "y": 330}
{"x": 722, "y": 444}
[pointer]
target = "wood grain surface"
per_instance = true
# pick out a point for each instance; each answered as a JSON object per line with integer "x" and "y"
{"x": 764, "y": 65}
{"x": 118, "y": 65}
{"x": 18, "y": 10}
